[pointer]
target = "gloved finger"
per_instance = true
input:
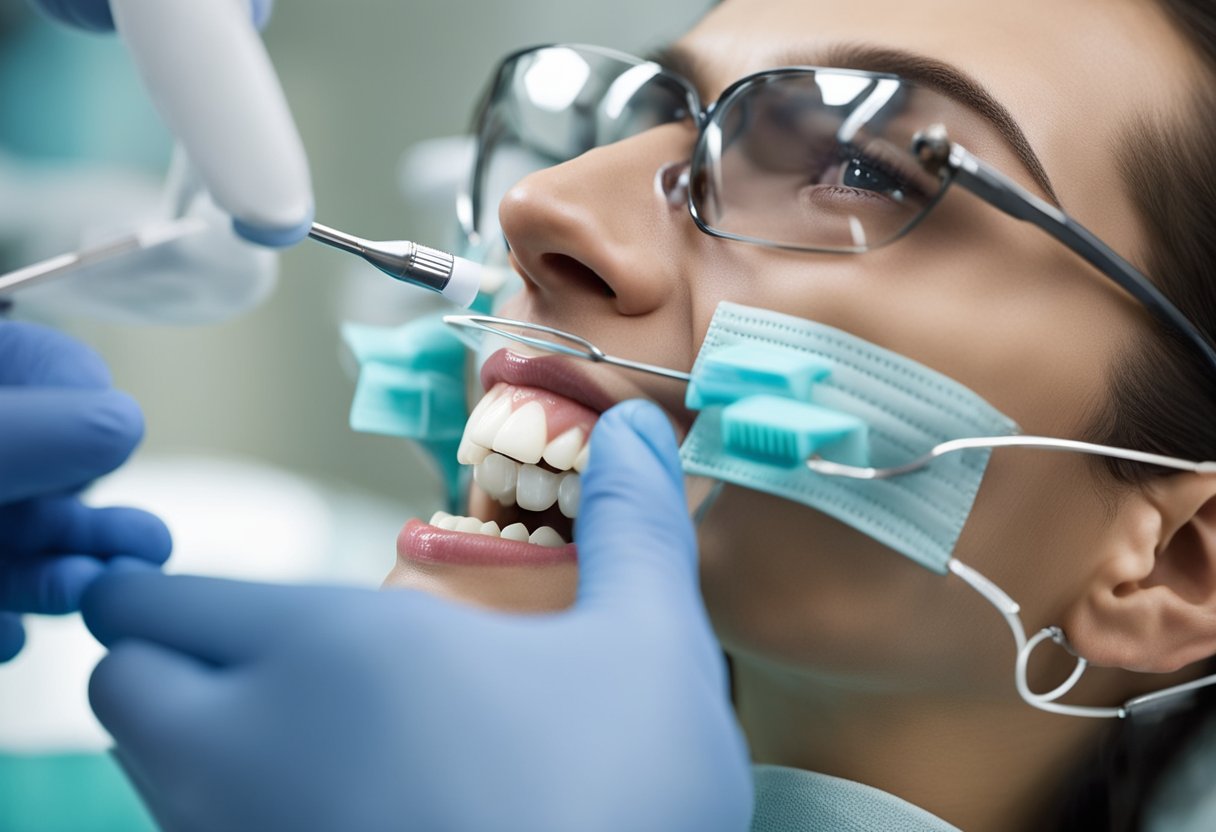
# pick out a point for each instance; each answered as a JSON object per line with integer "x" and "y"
{"x": 48, "y": 586}
{"x": 221, "y": 622}
{"x": 633, "y": 531}
{"x": 12, "y": 636}
{"x": 38, "y": 356}
{"x": 64, "y": 525}
{"x": 151, "y": 700}
{"x": 54, "y": 440}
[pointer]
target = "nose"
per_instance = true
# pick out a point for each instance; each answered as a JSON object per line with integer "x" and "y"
{"x": 607, "y": 227}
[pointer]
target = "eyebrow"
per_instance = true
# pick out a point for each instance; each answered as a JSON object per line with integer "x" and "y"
{"x": 930, "y": 73}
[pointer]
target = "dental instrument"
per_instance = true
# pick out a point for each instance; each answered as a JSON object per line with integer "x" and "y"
{"x": 467, "y": 325}
{"x": 179, "y": 264}
{"x": 457, "y": 279}
{"x": 148, "y": 237}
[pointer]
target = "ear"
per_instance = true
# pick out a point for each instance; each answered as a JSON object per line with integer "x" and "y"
{"x": 1150, "y": 604}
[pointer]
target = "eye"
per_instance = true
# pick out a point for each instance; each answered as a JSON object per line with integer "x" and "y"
{"x": 858, "y": 173}
{"x": 869, "y": 171}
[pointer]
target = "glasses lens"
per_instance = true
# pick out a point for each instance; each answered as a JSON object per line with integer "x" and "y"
{"x": 551, "y": 104}
{"x": 815, "y": 159}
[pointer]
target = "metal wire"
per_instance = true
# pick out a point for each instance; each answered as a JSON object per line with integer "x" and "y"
{"x": 1043, "y": 443}
{"x": 575, "y": 346}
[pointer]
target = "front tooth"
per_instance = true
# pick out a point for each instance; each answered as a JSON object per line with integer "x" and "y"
{"x": 517, "y": 532}
{"x": 483, "y": 432}
{"x": 568, "y": 493}
{"x": 479, "y": 410}
{"x": 470, "y": 453}
{"x": 438, "y": 517}
{"x": 522, "y": 436}
{"x": 560, "y": 453}
{"x": 448, "y": 523}
{"x": 490, "y": 529}
{"x": 537, "y": 488}
{"x": 468, "y": 525}
{"x": 546, "y": 536}
{"x": 580, "y": 461}
{"x": 497, "y": 476}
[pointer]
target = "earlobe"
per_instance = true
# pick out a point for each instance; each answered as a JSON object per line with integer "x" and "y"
{"x": 1150, "y": 606}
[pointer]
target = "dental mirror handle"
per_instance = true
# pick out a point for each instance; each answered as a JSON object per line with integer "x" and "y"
{"x": 457, "y": 279}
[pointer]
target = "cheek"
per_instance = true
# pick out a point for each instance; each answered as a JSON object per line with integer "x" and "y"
{"x": 789, "y": 586}
{"x": 522, "y": 589}
{"x": 1038, "y": 530}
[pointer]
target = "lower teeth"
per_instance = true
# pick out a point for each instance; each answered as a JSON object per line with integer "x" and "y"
{"x": 543, "y": 536}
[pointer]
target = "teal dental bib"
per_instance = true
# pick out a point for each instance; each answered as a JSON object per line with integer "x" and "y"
{"x": 759, "y": 372}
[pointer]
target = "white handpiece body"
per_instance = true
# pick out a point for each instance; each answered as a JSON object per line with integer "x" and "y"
{"x": 209, "y": 76}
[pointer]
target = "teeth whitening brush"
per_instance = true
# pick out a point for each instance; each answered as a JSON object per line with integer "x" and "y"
{"x": 457, "y": 279}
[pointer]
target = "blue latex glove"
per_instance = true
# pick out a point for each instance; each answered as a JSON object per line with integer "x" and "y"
{"x": 241, "y": 706}
{"x": 94, "y": 15}
{"x": 61, "y": 426}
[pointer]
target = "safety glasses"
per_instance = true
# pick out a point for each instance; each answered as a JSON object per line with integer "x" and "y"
{"x": 802, "y": 158}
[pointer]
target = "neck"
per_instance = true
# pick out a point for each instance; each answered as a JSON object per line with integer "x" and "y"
{"x": 982, "y": 766}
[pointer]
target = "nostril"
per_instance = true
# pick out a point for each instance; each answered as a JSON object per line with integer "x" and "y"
{"x": 672, "y": 183}
{"x": 575, "y": 274}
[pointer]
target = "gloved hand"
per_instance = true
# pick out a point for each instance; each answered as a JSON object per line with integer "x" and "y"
{"x": 240, "y": 706}
{"x": 61, "y": 426}
{"x": 94, "y": 15}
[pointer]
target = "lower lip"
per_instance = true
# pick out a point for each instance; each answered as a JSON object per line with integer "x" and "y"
{"x": 423, "y": 543}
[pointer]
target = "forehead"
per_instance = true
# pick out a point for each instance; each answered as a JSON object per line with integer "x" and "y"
{"x": 1071, "y": 72}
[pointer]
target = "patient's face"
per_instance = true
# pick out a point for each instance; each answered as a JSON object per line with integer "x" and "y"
{"x": 973, "y": 294}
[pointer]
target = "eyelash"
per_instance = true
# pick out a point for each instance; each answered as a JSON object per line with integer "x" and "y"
{"x": 849, "y": 154}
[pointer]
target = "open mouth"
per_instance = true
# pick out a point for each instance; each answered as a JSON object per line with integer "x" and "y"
{"x": 527, "y": 442}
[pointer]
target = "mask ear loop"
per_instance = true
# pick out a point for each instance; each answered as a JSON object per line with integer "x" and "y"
{"x": 1006, "y": 606}
{"x": 1047, "y": 701}
{"x": 1009, "y": 610}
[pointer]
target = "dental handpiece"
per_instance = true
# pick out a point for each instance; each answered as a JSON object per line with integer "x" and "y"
{"x": 455, "y": 278}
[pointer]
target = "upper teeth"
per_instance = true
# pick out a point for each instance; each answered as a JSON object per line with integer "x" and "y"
{"x": 505, "y": 447}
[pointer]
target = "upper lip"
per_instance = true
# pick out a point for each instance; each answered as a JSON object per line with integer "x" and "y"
{"x": 553, "y": 373}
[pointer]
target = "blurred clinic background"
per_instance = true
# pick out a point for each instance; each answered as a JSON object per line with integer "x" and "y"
{"x": 248, "y": 455}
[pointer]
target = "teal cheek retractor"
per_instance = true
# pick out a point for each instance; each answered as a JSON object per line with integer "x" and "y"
{"x": 412, "y": 385}
{"x": 764, "y": 393}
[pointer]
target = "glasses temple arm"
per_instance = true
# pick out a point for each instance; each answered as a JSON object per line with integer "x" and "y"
{"x": 1008, "y": 196}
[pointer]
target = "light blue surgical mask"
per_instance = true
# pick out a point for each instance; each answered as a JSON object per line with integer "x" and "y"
{"x": 889, "y": 408}
{"x": 812, "y": 414}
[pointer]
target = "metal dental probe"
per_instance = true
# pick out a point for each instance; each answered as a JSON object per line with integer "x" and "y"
{"x": 455, "y": 278}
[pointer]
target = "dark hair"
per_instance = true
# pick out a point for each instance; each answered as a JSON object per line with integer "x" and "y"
{"x": 1163, "y": 395}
